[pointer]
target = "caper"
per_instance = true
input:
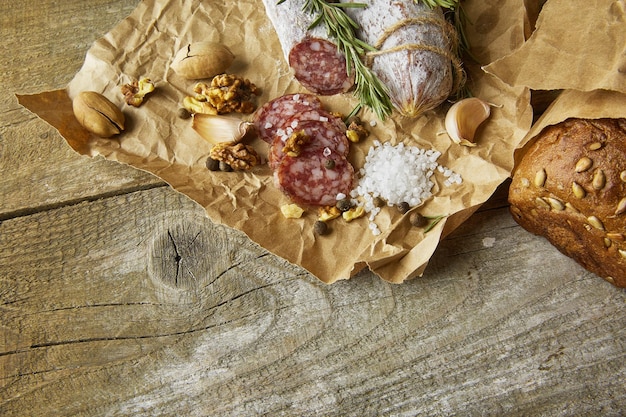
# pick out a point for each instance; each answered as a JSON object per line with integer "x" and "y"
{"x": 225, "y": 167}
{"x": 320, "y": 228}
{"x": 344, "y": 204}
{"x": 353, "y": 119}
{"x": 212, "y": 164}
{"x": 183, "y": 113}
{"x": 378, "y": 202}
{"x": 403, "y": 207}
{"x": 417, "y": 219}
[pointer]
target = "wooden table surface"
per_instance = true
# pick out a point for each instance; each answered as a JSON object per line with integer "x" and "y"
{"x": 500, "y": 324}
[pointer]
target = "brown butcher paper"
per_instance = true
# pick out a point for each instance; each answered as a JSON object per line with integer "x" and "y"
{"x": 159, "y": 142}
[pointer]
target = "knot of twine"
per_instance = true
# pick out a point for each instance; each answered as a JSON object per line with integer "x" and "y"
{"x": 450, "y": 37}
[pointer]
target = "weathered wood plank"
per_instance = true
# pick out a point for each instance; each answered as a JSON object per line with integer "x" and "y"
{"x": 119, "y": 297}
{"x": 43, "y": 46}
{"x": 488, "y": 330}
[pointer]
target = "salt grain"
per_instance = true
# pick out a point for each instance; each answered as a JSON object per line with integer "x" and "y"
{"x": 398, "y": 174}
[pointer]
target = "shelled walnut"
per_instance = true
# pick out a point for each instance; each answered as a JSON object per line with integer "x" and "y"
{"x": 239, "y": 156}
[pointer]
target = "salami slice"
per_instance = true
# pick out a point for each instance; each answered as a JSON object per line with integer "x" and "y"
{"x": 275, "y": 113}
{"x": 315, "y": 115}
{"x": 309, "y": 179}
{"x": 316, "y": 61}
{"x": 320, "y": 67}
{"x": 324, "y": 136}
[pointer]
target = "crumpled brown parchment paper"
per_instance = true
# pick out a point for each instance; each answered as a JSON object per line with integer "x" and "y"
{"x": 160, "y": 143}
{"x": 577, "y": 53}
{"x": 577, "y": 44}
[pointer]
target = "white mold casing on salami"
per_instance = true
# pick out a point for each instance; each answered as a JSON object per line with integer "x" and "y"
{"x": 317, "y": 63}
{"x": 418, "y": 79}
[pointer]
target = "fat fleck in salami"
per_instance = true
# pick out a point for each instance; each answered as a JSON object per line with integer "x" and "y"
{"x": 416, "y": 57}
{"x": 323, "y": 135}
{"x": 275, "y": 113}
{"x": 315, "y": 114}
{"x": 320, "y": 67}
{"x": 309, "y": 179}
{"x": 316, "y": 61}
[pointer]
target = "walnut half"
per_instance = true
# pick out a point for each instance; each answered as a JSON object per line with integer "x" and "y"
{"x": 239, "y": 156}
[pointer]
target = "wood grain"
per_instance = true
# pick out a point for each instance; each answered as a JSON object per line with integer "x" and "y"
{"x": 44, "y": 44}
{"x": 119, "y": 297}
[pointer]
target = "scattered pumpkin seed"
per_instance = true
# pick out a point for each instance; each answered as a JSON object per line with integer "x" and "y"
{"x": 595, "y": 222}
{"x": 541, "y": 203}
{"x": 578, "y": 190}
{"x": 583, "y": 164}
{"x": 621, "y": 207}
{"x": 618, "y": 237}
{"x": 556, "y": 204}
{"x": 599, "y": 180}
{"x": 540, "y": 178}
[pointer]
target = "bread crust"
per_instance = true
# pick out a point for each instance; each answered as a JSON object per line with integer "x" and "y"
{"x": 570, "y": 187}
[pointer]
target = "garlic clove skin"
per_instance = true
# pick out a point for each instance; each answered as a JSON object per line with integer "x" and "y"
{"x": 220, "y": 129}
{"x": 464, "y": 118}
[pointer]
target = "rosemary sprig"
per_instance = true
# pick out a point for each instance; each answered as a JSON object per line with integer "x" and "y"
{"x": 341, "y": 28}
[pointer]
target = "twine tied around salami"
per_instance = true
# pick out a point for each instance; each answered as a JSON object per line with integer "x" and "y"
{"x": 450, "y": 35}
{"x": 367, "y": 35}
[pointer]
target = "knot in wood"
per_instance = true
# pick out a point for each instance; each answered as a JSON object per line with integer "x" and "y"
{"x": 180, "y": 255}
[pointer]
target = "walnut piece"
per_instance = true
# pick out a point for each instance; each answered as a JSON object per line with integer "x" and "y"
{"x": 238, "y": 156}
{"x": 135, "y": 92}
{"x": 295, "y": 143}
{"x": 228, "y": 93}
{"x": 356, "y": 131}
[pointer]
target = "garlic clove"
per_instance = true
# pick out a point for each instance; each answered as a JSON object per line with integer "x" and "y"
{"x": 464, "y": 118}
{"x": 220, "y": 129}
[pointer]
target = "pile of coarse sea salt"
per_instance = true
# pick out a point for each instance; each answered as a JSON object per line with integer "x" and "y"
{"x": 397, "y": 174}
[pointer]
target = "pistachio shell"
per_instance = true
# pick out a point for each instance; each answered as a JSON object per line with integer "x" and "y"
{"x": 98, "y": 114}
{"x": 202, "y": 60}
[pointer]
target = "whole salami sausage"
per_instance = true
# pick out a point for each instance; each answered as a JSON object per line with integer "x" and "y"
{"x": 416, "y": 57}
{"x": 316, "y": 61}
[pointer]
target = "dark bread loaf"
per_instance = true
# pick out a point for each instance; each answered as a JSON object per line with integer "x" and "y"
{"x": 570, "y": 187}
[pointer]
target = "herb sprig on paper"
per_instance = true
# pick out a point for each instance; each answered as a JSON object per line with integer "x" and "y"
{"x": 341, "y": 28}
